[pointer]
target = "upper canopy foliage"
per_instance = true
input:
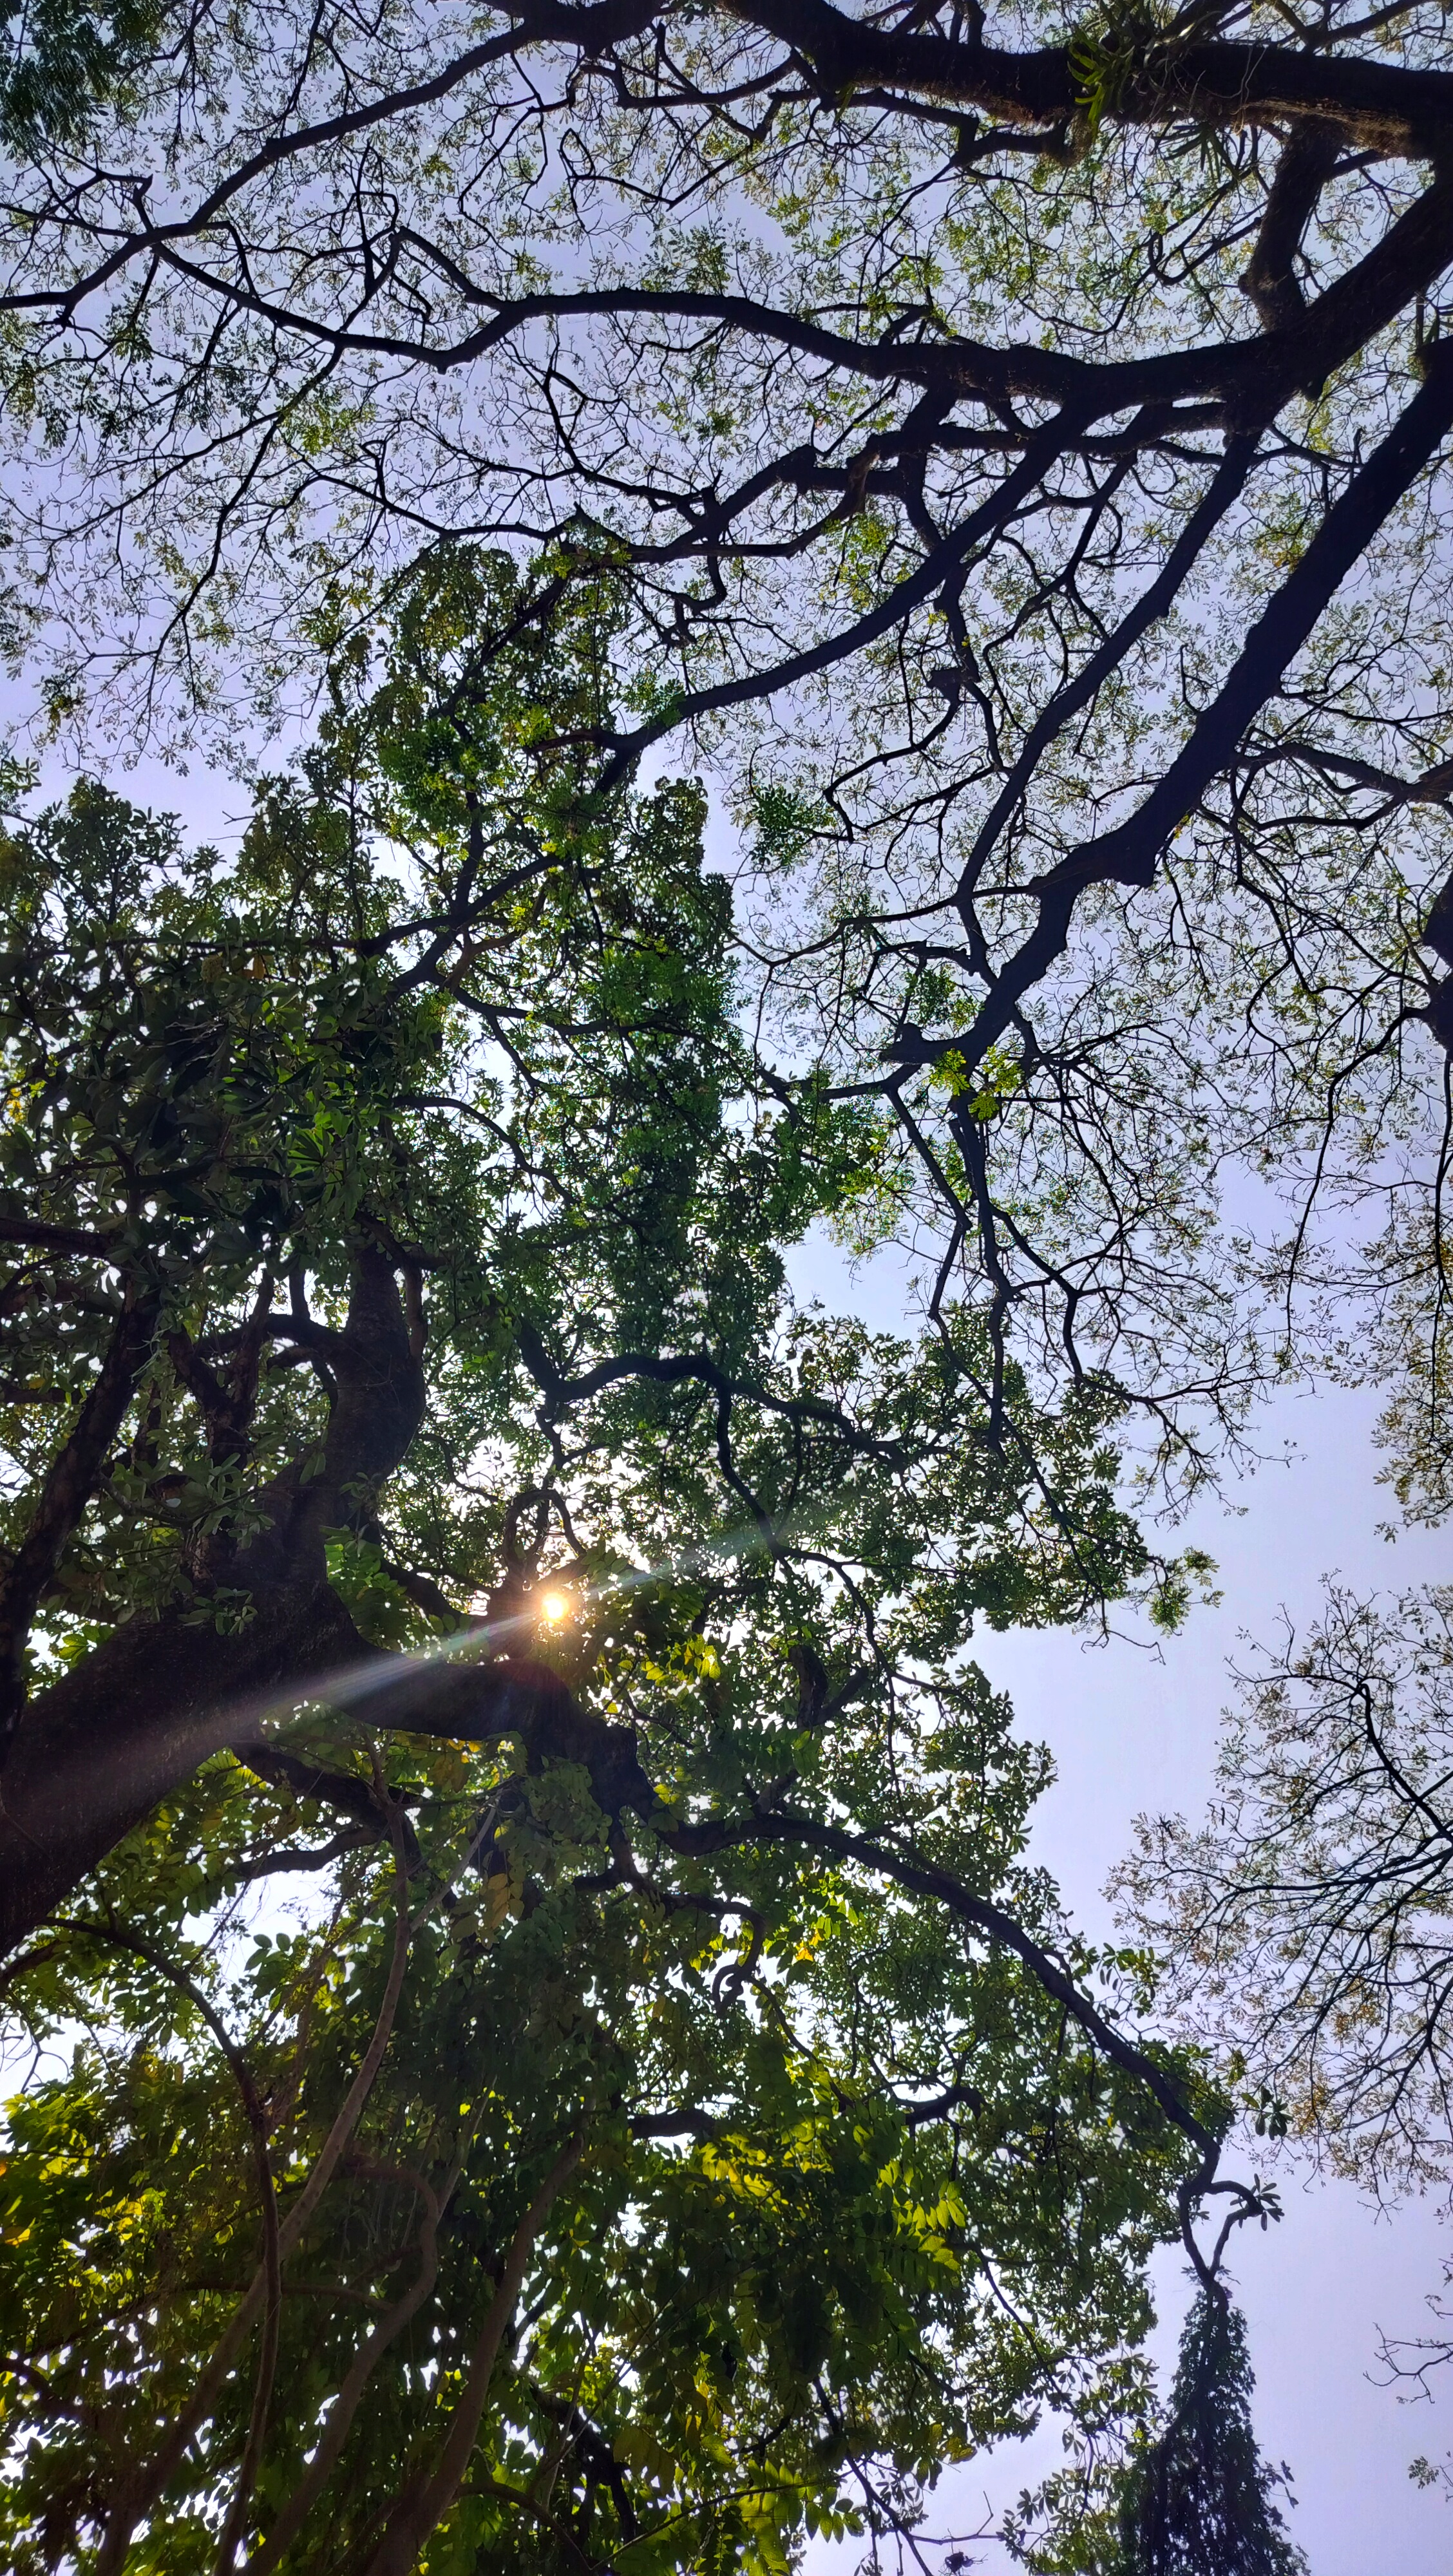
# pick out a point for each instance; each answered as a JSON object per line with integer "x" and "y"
{"x": 1014, "y": 449}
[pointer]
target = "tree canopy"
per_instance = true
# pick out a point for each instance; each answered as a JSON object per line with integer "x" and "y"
{"x": 1307, "y": 1915}
{"x": 656, "y": 2110}
{"x": 1305, "y": 1919}
{"x": 1017, "y": 447}
{"x": 1008, "y": 461}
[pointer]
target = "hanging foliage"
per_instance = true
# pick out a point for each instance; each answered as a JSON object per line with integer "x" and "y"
{"x": 1200, "y": 2500}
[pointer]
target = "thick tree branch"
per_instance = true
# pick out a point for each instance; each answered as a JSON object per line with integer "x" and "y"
{"x": 1130, "y": 854}
{"x": 347, "y": 1791}
{"x": 67, "y": 1490}
{"x": 1394, "y": 108}
{"x": 687, "y": 1368}
{"x": 1154, "y": 603}
{"x": 418, "y": 2511}
{"x": 33, "y": 1234}
{"x": 923, "y": 1878}
{"x": 1269, "y": 277}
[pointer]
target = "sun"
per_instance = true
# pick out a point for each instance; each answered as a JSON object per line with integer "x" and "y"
{"x": 554, "y": 1607}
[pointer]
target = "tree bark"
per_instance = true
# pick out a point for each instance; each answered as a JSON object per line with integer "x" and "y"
{"x": 96, "y": 1752}
{"x": 101, "y": 1749}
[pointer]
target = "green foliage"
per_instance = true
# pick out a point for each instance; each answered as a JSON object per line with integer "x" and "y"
{"x": 785, "y": 822}
{"x": 720, "y": 2325}
{"x": 852, "y": 2199}
{"x": 1111, "y": 50}
{"x": 60, "y": 61}
{"x": 447, "y": 997}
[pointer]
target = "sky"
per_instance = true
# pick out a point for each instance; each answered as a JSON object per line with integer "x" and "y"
{"x": 1133, "y": 1725}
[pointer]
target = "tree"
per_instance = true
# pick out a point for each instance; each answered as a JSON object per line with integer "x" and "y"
{"x": 1014, "y": 460}
{"x": 672, "y": 2115}
{"x": 1018, "y": 449}
{"x": 1200, "y": 2501}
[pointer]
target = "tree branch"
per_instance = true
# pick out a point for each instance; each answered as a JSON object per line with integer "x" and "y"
{"x": 418, "y": 2512}
{"x": 1129, "y": 854}
{"x": 67, "y": 1490}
